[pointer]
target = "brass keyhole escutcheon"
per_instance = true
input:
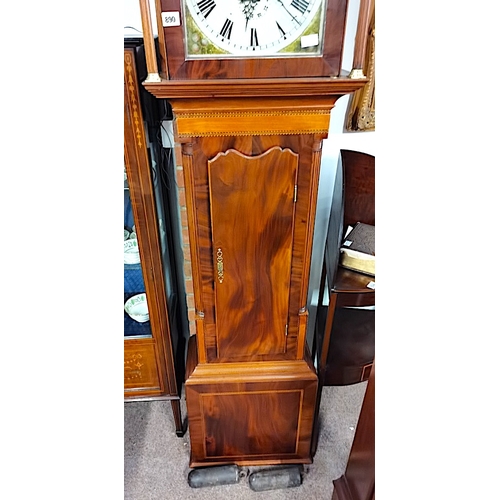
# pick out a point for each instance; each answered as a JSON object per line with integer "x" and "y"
{"x": 220, "y": 265}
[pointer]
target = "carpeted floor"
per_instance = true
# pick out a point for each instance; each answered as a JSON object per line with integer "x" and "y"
{"x": 157, "y": 461}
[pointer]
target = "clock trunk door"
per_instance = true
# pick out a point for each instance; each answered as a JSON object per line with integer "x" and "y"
{"x": 252, "y": 214}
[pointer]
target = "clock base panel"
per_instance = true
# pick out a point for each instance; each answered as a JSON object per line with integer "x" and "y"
{"x": 251, "y": 413}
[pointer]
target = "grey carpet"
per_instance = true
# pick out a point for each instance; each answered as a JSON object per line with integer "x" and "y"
{"x": 157, "y": 461}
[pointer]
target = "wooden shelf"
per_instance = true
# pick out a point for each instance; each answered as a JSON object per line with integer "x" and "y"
{"x": 347, "y": 281}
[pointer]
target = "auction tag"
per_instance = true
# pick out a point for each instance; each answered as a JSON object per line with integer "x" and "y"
{"x": 170, "y": 19}
{"x": 371, "y": 285}
{"x": 309, "y": 41}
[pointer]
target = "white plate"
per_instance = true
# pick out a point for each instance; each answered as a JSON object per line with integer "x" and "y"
{"x": 137, "y": 308}
{"x": 131, "y": 252}
{"x": 126, "y": 234}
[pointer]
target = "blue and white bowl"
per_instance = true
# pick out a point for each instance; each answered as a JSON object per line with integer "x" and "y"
{"x": 137, "y": 308}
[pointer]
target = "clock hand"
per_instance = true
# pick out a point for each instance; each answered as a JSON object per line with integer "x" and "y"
{"x": 284, "y": 6}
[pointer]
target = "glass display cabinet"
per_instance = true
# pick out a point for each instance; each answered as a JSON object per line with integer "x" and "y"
{"x": 154, "y": 343}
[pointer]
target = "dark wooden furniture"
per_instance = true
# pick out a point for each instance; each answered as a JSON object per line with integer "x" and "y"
{"x": 358, "y": 481}
{"x": 345, "y": 332}
{"x": 249, "y": 134}
{"x": 344, "y": 336}
{"x": 153, "y": 350}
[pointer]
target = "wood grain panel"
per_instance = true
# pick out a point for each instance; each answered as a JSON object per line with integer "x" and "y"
{"x": 198, "y": 152}
{"x": 250, "y": 413}
{"x": 249, "y": 424}
{"x": 252, "y": 208}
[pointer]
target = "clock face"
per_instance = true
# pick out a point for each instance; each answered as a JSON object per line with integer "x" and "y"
{"x": 253, "y": 28}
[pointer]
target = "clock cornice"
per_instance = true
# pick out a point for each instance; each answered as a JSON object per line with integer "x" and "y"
{"x": 265, "y": 87}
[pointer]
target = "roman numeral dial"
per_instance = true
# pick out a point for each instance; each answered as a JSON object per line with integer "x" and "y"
{"x": 226, "y": 29}
{"x": 252, "y": 28}
{"x": 253, "y": 37}
{"x": 206, "y": 6}
{"x": 300, "y": 5}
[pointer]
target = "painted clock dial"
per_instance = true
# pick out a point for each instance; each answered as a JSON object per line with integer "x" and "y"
{"x": 253, "y": 28}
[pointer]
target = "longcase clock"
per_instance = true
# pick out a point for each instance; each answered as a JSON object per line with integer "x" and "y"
{"x": 251, "y": 84}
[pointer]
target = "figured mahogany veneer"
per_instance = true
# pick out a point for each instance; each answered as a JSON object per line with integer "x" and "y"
{"x": 251, "y": 394}
{"x": 290, "y": 289}
{"x": 251, "y": 316}
{"x": 250, "y": 413}
{"x": 251, "y": 169}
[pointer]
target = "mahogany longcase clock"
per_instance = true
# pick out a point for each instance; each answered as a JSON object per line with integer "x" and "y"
{"x": 251, "y": 84}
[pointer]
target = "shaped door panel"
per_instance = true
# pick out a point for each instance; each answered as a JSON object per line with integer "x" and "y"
{"x": 252, "y": 218}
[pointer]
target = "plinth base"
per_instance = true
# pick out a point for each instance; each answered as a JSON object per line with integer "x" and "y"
{"x": 256, "y": 413}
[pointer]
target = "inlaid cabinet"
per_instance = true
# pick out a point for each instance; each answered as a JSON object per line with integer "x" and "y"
{"x": 154, "y": 344}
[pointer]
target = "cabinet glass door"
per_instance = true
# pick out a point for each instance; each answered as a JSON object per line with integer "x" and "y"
{"x": 136, "y": 314}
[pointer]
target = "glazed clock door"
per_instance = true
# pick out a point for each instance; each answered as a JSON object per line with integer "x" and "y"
{"x": 220, "y": 39}
{"x": 252, "y": 214}
{"x": 233, "y": 28}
